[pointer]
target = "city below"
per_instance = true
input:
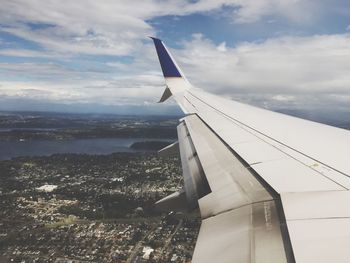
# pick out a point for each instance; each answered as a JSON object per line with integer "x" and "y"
{"x": 82, "y": 188}
{"x": 91, "y": 207}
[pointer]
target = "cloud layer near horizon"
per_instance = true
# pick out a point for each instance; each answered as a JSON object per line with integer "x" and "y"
{"x": 304, "y": 71}
{"x": 62, "y": 60}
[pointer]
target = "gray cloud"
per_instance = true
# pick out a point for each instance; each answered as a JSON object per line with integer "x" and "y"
{"x": 300, "y": 71}
{"x": 280, "y": 71}
{"x": 27, "y": 53}
{"x": 119, "y": 27}
{"x": 35, "y": 69}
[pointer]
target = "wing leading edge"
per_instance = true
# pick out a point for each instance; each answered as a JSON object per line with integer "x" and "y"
{"x": 274, "y": 181}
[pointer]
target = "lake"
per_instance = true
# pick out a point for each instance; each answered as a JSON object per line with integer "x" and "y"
{"x": 10, "y": 149}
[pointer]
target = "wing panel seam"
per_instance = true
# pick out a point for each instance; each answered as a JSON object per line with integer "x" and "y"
{"x": 230, "y": 118}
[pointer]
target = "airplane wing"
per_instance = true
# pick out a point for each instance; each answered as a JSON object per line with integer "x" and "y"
{"x": 270, "y": 187}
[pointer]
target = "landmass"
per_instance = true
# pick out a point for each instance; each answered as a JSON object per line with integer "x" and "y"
{"x": 57, "y": 126}
{"x": 92, "y": 208}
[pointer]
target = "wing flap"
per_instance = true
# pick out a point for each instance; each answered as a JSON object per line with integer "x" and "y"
{"x": 232, "y": 184}
{"x": 241, "y": 218}
{"x": 299, "y": 206}
{"x": 318, "y": 224}
{"x": 320, "y": 240}
{"x": 195, "y": 182}
{"x": 251, "y": 233}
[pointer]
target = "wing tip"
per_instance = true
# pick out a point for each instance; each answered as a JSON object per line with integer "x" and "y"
{"x": 154, "y": 38}
{"x": 167, "y": 63}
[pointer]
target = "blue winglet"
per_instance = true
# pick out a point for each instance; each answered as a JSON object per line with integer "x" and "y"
{"x": 169, "y": 67}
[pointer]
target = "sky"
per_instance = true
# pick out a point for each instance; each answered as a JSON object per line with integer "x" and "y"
{"x": 95, "y": 56}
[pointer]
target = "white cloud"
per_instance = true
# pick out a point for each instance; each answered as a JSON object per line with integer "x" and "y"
{"x": 286, "y": 69}
{"x": 127, "y": 90}
{"x": 281, "y": 70}
{"x": 35, "y": 69}
{"x": 298, "y": 11}
{"x": 93, "y": 27}
{"x": 119, "y": 27}
{"x": 222, "y": 47}
{"x": 28, "y": 53}
{"x": 283, "y": 98}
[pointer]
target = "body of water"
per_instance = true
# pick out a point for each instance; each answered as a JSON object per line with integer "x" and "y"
{"x": 10, "y": 149}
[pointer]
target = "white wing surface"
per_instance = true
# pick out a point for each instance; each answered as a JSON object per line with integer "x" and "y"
{"x": 270, "y": 187}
